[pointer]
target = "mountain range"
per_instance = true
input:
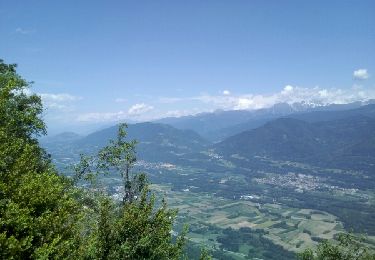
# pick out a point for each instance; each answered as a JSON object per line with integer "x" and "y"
{"x": 155, "y": 142}
{"x": 220, "y": 124}
{"x": 330, "y": 138}
{"x": 329, "y": 143}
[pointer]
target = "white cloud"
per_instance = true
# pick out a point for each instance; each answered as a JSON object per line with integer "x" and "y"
{"x": 287, "y": 89}
{"x": 58, "y": 97}
{"x": 139, "y": 109}
{"x": 244, "y": 103}
{"x": 20, "y": 30}
{"x": 289, "y": 94}
{"x": 226, "y": 92}
{"x": 61, "y": 101}
{"x": 208, "y": 103}
{"x": 135, "y": 112}
{"x": 323, "y": 93}
{"x": 102, "y": 117}
{"x": 361, "y": 74}
{"x": 179, "y": 113}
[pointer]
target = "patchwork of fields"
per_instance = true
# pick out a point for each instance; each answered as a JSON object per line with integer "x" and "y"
{"x": 293, "y": 229}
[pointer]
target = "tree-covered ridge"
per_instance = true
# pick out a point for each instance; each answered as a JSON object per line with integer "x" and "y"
{"x": 43, "y": 215}
{"x": 337, "y": 143}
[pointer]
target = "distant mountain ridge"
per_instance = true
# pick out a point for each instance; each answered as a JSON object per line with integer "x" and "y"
{"x": 321, "y": 114}
{"x": 323, "y": 137}
{"x": 348, "y": 136}
{"x": 61, "y": 138}
{"x": 156, "y": 142}
{"x": 218, "y": 125}
{"x": 316, "y": 116}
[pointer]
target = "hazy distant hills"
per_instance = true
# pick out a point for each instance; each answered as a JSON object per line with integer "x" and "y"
{"x": 65, "y": 137}
{"x": 218, "y": 125}
{"x": 156, "y": 142}
{"x": 316, "y": 116}
{"x": 343, "y": 138}
{"x": 161, "y": 134}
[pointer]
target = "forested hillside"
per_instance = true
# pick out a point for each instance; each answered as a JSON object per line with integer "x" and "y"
{"x": 333, "y": 143}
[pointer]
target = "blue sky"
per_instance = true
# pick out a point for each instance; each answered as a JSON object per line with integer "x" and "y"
{"x": 96, "y": 62}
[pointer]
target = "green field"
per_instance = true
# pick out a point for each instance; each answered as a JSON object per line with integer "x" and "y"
{"x": 293, "y": 229}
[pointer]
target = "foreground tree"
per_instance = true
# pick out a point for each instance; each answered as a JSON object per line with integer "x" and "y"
{"x": 349, "y": 247}
{"x": 38, "y": 212}
{"x": 134, "y": 228}
{"x": 44, "y": 216}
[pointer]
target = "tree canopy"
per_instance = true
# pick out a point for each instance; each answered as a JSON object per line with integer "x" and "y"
{"x": 347, "y": 247}
{"x": 44, "y": 215}
{"x": 38, "y": 213}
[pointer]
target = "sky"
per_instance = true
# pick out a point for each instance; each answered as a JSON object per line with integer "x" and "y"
{"x": 98, "y": 62}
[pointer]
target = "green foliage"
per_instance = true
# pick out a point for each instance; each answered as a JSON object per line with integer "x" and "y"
{"x": 349, "y": 247}
{"x": 261, "y": 247}
{"x": 119, "y": 156}
{"x": 205, "y": 255}
{"x": 44, "y": 216}
{"x": 38, "y": 214}
{"x": 134, "y": 229}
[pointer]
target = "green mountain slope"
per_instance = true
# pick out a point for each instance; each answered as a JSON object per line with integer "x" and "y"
{"x": 218, "y": 125}
{"x": 345, "y": 142}
{"x": 156, "y": 142}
